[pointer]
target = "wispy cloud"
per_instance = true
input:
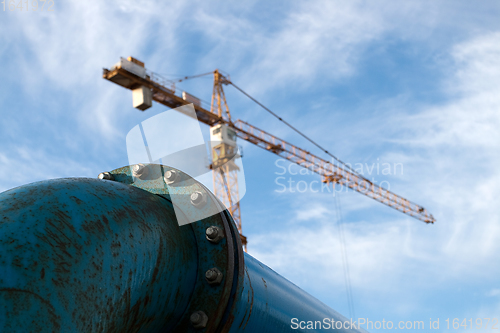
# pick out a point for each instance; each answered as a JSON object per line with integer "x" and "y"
{"x": 65, "y": 50}
{"x": 24, "y": 164}
{"x": 493, "y": 293}
{"x": 57, "y": 106}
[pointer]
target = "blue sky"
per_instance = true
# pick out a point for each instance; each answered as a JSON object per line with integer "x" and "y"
{"x": 413, "y": 82}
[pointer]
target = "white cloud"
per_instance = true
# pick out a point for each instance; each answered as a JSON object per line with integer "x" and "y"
{"x": 307, "y": 43}
{"x": 23, "y": 165}
{"x": 315, "y": 211}
{"x": 493, "y": 293}
{"x": 318, "y": 36}
{"x": 67, "y": 49}
{"x": 305, "y": 40}
{"x": 56, "y": 59}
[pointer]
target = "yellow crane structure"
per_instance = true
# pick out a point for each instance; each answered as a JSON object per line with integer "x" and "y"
{"x": 148, "y": 86}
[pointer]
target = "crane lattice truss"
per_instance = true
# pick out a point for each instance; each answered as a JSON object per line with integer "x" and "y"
{"x": 225, "y": 170}
{"x": 219, "y": 113}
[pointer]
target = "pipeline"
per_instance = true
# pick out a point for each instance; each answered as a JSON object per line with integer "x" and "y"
{"x": 108, "y": 255}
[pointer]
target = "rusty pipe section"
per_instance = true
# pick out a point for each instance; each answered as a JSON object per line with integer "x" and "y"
{"x": 83, "y": 255}
{"x": 108, "y": 255}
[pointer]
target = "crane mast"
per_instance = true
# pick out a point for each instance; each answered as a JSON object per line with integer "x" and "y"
{"x": 223, "y": 153}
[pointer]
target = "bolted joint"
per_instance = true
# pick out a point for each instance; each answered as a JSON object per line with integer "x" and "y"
{"x": 198, "y": 199}
{"x": 214, "y": 234}
{"x": 106, "y": 176}
{"x": 139, "y": 171}
{"x": 171, "y": 176}
{"x": 198, "y": 319}
{"x": 213, "y": 276}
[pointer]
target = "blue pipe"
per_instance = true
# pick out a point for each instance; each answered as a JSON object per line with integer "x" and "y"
{"x": 83, "y": 255}
{"x": 87, "y": 255}
{"x": 267, "y": 302}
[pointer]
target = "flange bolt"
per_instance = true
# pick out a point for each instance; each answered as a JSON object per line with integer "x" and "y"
{"x": 198, "y": 199}
{"x": 139, "y": 171}
{"x": 214, "y": 234}
{"x": 198, "y": 319}
{"x": 171, "y": 176}
{"x": 106, "y": 176}
{"x": 213, "y": 276}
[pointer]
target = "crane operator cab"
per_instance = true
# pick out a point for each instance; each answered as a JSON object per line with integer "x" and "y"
{"x": 223, "y": 144}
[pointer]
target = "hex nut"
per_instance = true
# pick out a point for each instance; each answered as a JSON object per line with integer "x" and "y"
{"x": 198, "y": 199}
{"x": 213, "y": 276}
{"x": 171, "y": 176}
{"x": 198, "y": 319}
{"x": 139, "y": 171}
{"x": 106, "y": 176}
{"x": 214, "y": 234}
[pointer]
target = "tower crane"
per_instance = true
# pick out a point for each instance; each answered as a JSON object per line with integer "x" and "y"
{"x": 147, "y": 86}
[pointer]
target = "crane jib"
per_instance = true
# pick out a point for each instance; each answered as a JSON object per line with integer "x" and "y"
{"x": 219, "y": 113}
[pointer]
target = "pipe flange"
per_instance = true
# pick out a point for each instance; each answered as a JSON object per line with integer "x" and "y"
{"x": 220, "y": 253}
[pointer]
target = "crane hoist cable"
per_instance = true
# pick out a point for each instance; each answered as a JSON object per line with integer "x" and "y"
{"x": 343, "y": 254}
{"x": 192, "y": 77}
{"x": 285, "y": 122}
{"x": 301, "y": 133}
{"x": 182, "y": 77}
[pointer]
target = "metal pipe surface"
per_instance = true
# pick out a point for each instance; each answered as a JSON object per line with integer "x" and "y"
{"x": 267, "y": 302}
{"x": 83, "y": 255}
